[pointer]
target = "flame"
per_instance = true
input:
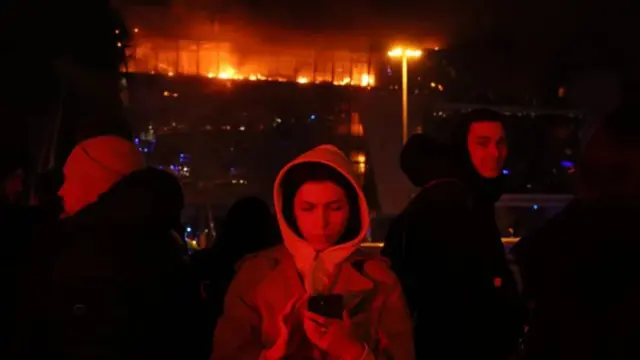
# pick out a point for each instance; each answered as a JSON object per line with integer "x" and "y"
{"x": 367, "y": 80}
{"x": 219, "y": 61}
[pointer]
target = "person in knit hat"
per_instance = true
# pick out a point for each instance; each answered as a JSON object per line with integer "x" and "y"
{"x": 109, "y": 280}
{"x": 94, "y": 166}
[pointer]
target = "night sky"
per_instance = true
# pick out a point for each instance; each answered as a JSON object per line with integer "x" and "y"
{"x": 542, "y": 25}
{"x": 568, "y": 31}
{"x": 573, "y": 33}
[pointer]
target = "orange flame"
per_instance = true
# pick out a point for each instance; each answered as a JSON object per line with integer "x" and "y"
{"x": 219, "y": 61}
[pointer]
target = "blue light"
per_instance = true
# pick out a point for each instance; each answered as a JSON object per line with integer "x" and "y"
{"x": 567, "y": 164}
{"x": 136, "y": 141}
{"x": 535, "y": 207}
{"x": 313, "y": 117}
{"x": 505, "y": 172}
{"x": 188, "y": 229}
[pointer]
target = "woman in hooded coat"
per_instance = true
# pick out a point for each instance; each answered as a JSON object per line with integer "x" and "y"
{"x": 318, "y": 296}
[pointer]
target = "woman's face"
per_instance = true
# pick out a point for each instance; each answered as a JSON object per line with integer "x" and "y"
{"x": 322, "y": 212}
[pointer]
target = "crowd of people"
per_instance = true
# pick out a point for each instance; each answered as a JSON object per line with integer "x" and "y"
{"x": 110, "y": 276}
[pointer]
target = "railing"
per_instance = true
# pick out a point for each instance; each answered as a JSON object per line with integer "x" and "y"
{"x": 378, "y": 244}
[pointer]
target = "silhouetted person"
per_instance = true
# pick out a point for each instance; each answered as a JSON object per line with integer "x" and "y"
{"x": 249, "y": 227}
{"x": 447, "y": 250}
{"x": 14, "y": 225}
{"x": 108, "y": 281}
{"x": 580, "y": 271}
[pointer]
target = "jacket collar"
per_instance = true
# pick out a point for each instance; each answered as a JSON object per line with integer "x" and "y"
{"x": 284, "y": 283}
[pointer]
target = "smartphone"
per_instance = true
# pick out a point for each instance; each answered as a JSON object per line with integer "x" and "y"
{"x": 330, "y": 306}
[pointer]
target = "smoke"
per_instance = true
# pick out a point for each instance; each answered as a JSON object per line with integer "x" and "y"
{"x": 353, "y": 24}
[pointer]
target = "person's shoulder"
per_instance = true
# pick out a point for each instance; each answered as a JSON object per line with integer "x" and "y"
{"x": 262, "y": 261}
{"x": 252, "y": 269}
{"x": 54, "y": 233}
{"x": 375, "y": 266}
{"x": 443, "y": 194}
{"x": 446, "y": 190}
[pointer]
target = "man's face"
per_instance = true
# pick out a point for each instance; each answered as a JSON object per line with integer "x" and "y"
{"x": 81, "y": 187}
{"x": 487, "y": 146}
{"x": 74, "y": 191}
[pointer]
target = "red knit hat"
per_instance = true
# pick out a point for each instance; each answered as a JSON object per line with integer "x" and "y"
{"x": 94, "y": 166}
{"x": 107, "y": 153}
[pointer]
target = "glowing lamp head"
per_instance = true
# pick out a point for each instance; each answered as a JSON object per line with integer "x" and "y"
{"x": 405, "y": 52}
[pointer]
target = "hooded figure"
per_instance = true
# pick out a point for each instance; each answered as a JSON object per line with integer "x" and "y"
{"x": 479, "y": 146}
{"x": 269, "y": 310}
{"x": 446, "y": 243}
{"x": 109, "y": 281}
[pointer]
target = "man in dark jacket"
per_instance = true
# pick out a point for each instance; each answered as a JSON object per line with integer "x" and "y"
{"x": 109, "y": 281}
{"x": 447, "y": 250}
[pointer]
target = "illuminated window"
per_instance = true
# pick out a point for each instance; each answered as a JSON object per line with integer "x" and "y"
{"x": 356, "y": 125}
{"x": 359, "y": 160}
{"x": 562, "y": 92}
{"x": 358, "y": 157}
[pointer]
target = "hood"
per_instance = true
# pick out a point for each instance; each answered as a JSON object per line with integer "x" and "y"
{"x": 147, "y": 198}
{"x": 424, "y": 159}
{"x": 483, "y": 190}
{"x": 320, "y": 265}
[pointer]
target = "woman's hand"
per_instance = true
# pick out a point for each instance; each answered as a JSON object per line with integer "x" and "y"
{"x": 279, "y": 349}
{"x": 333, "y": 336}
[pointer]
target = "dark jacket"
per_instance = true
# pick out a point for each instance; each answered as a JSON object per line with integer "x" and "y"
{"x": 581, "y": 273}
{"x": 452, "y": 264}
{"x": 111, "y": 281}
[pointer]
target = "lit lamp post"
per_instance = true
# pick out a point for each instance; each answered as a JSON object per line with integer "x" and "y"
{"x": 405, "y": 54}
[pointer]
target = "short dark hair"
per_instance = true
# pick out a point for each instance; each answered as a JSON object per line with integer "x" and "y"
{"x": 465, "y": 120}
{"x": 302, "y": 173}
{"x": 483, "y": 114}
{"x": 610, "y": 164}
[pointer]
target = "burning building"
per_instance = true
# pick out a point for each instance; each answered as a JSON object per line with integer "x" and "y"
{"x": 226, "y": 49}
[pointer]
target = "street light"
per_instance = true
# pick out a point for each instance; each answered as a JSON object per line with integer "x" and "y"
{"x": 405, "y": 54}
